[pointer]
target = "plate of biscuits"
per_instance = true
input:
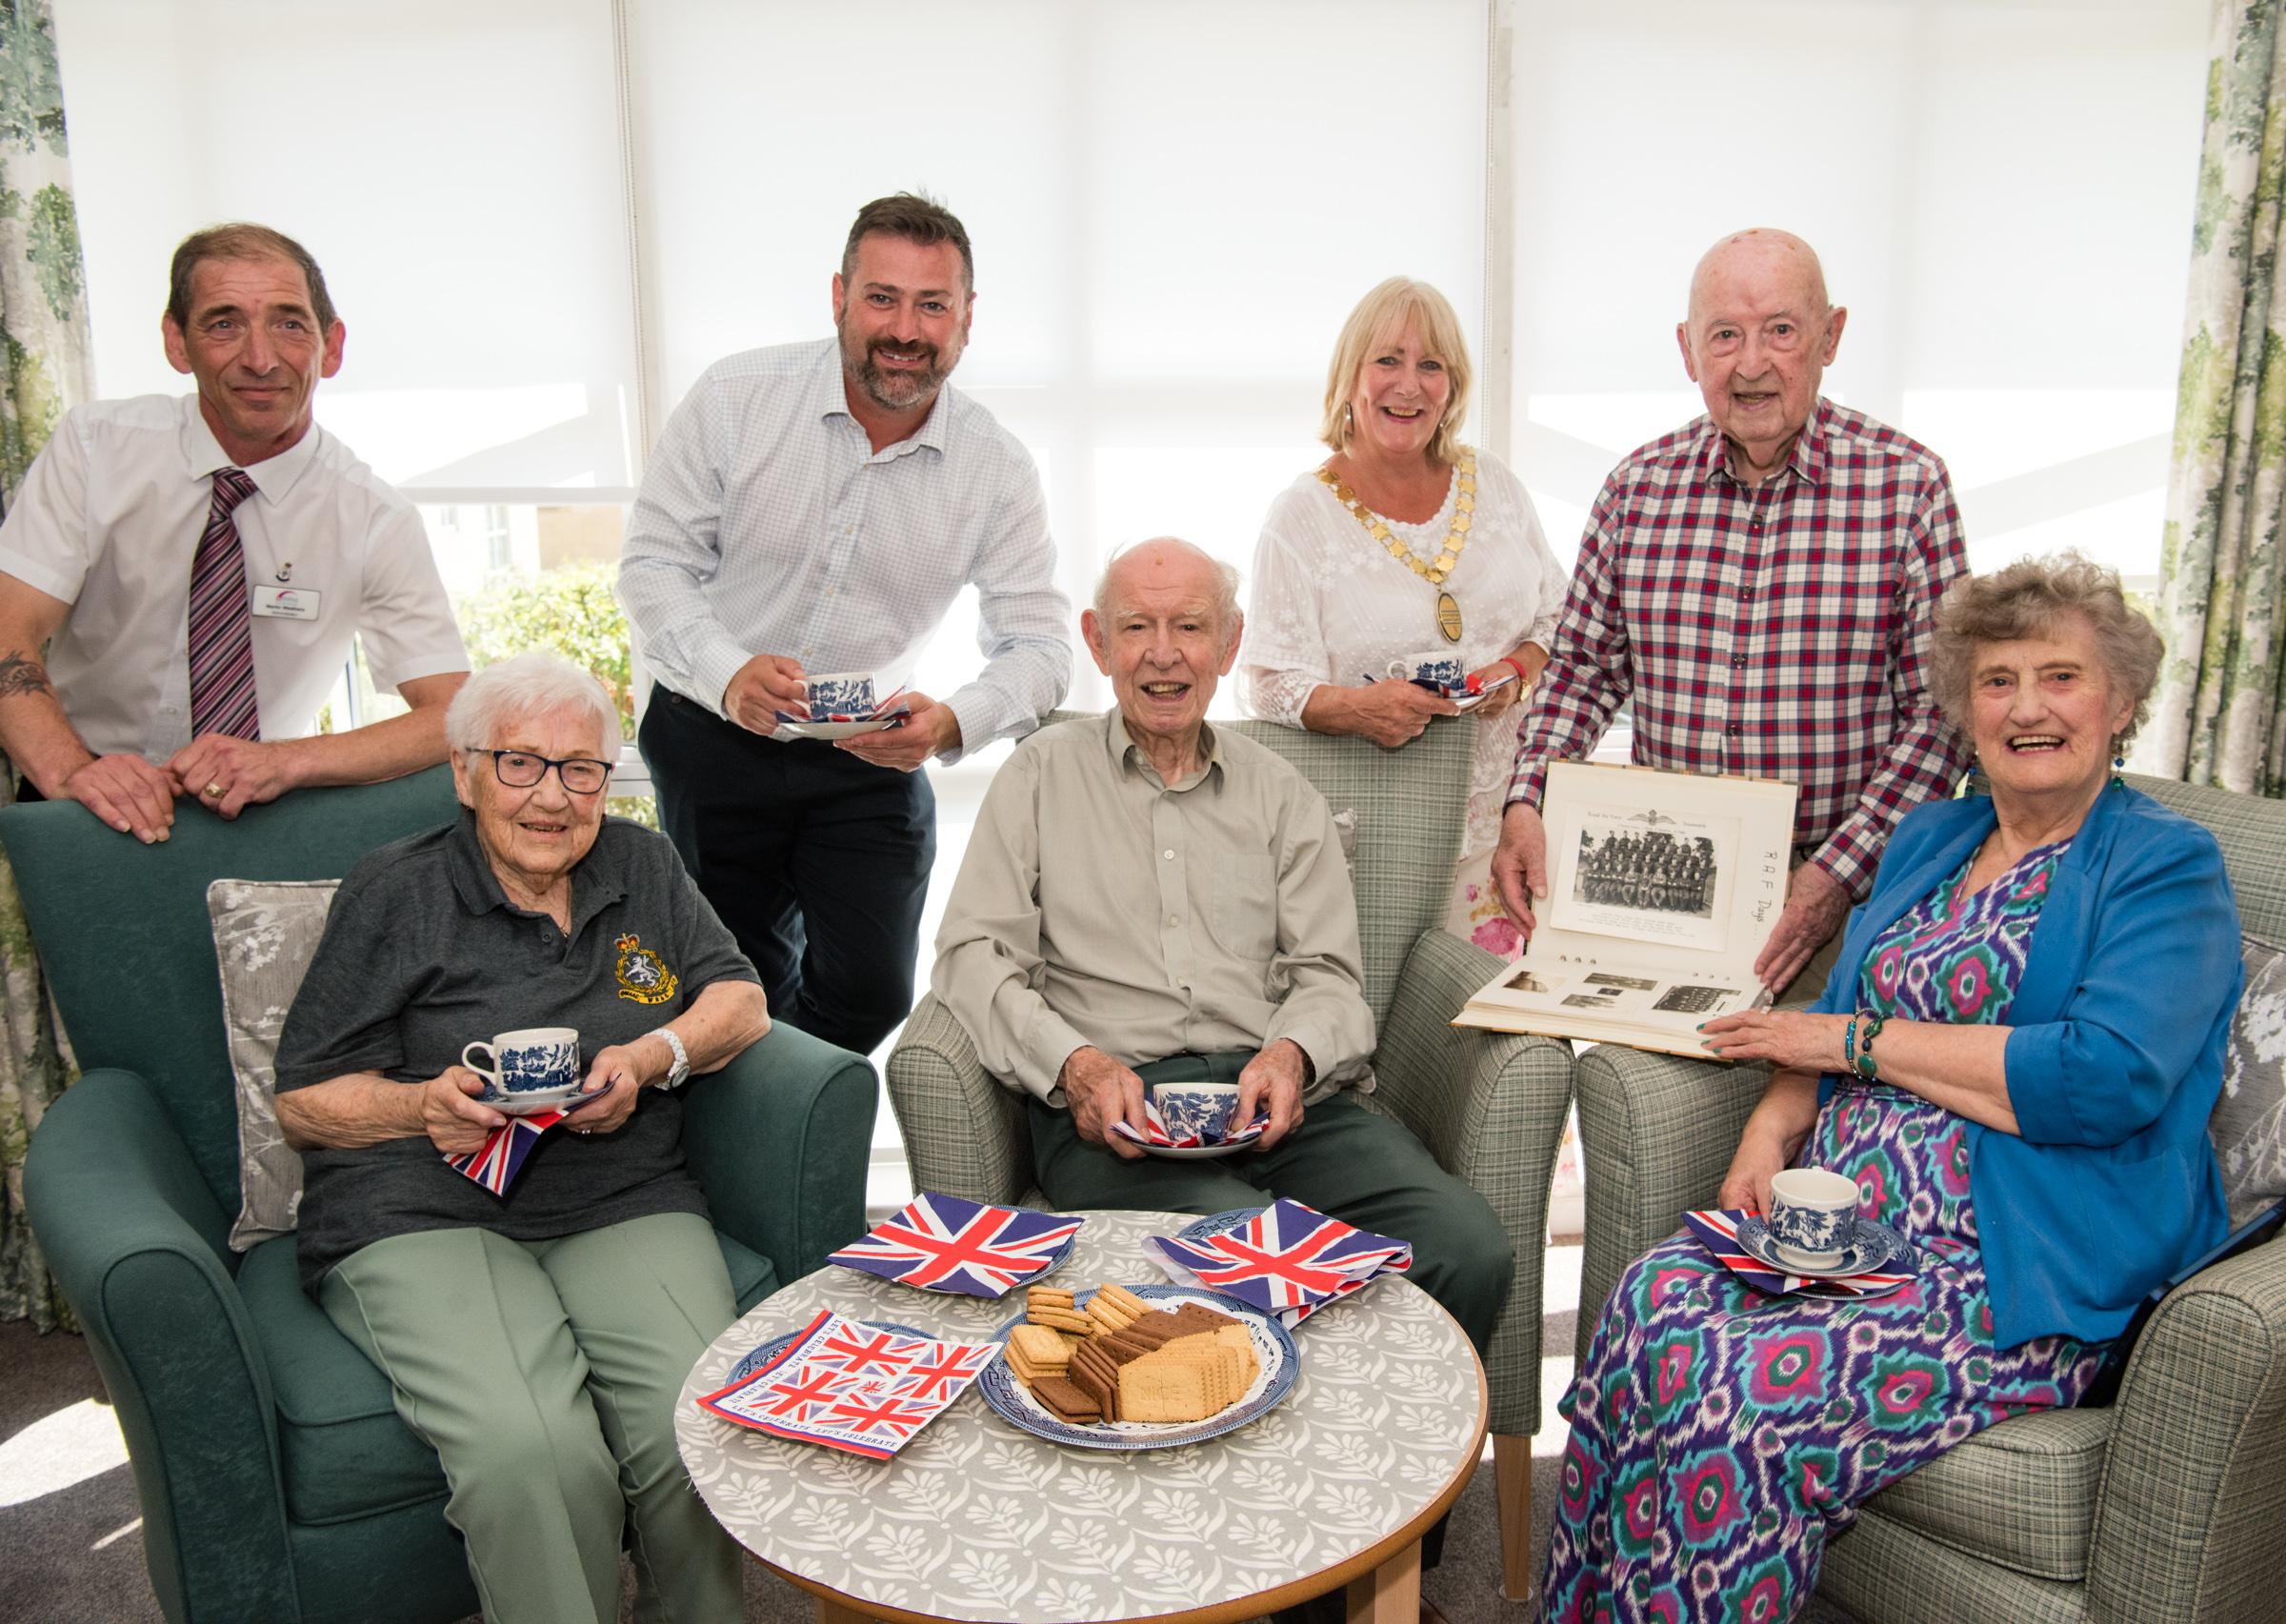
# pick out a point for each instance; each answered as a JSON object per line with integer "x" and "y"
{"x": 1137, "y": 1367}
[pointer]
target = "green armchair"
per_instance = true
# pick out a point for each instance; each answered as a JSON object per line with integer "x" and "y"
{"x": 2158, "y": 1510}
{"x": 276, "y": 1481}
{"x": 1488, "y": 1106}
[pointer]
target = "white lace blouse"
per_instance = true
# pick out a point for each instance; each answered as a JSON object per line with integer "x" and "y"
{"x": 1328, "y": 604}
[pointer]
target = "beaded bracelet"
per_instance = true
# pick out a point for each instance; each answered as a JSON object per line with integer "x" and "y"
{"x": 1848, "y": 1046}
{"x": 1865, "y": 1049}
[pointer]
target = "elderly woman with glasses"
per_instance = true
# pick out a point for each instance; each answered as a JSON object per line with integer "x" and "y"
{"x": 2014, "y": 1061}
{"x": 535, "y": 1339}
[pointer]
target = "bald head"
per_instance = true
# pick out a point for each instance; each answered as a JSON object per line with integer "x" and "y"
{"x": 1766, "y": 254}
{"x": 1166, "y": 562}
{"x": 1164, "y": 630}
{"x": 1758, "y": 338}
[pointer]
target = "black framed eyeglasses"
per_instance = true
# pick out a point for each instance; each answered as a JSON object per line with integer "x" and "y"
{"x": 521, "y": 769}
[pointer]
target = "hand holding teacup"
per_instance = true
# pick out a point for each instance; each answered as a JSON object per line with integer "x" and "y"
{"x": 457, "y": 1121}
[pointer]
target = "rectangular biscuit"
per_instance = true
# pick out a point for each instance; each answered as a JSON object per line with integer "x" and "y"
{"x": 1062, "y": 1320}
{"x": 1099, "y": 1378}
{"x": 1124, "y": 1298}
{"x": 1163, "y": 1392}
{"x": 1048, "y": 1295}
{"x": 1067, "y": 1402}
{"x": 1197, "y": 1316}
{"x": 1040, "y": 1344}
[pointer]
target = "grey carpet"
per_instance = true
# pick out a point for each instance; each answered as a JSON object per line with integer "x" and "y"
{"x": 50, "y": 1573}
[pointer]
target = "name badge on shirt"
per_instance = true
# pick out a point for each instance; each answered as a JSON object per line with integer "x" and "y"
{"x": 286, "y": 603}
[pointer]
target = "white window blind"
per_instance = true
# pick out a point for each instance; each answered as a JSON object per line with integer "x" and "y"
{"x": 453, "y": 165}
{"x": 2001, "y": 194}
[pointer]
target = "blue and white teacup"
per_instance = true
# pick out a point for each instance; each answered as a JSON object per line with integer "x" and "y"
{"x": 1812, "y": 1216}
{"x": 533, "y": 1063}
{"x": 1440, "y": 670}
{"x": 1203, "y": 1111}
{"x": 842, "y": 696}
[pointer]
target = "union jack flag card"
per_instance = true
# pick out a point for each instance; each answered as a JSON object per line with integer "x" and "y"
{"x": 1288, "y": 1260}
{"x": 851, "y": 1386}
{"x": 941, "y": 1243}
{"x": 1717, "y": 1231}
{"x": 501, "y": 1158}
{"x": 1159, "y": 1138}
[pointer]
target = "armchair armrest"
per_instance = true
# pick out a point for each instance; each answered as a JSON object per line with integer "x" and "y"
{"x": 2186, "y": 1521}
{"x": 780, "y": 1140}
{"x": 965, "y": 1134}
{"x": 1489, "y": 1107}
{"x": 1656, "y": 1135}
{"x": 138, "y": 1243}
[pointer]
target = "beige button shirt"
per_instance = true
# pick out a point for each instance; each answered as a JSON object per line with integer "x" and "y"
{"x": 1098, "y": 905}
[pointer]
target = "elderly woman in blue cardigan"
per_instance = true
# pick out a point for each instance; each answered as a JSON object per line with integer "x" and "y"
{"x": 2057, "y": 964}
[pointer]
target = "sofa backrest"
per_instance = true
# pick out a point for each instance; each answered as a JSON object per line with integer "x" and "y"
{"x": 1411, "y": 806}
{"x": 123, "y": 933}
{"x": 2252, "y": 831}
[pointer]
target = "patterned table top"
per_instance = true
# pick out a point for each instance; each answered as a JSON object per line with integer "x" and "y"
{"x": 976, "y": 1520}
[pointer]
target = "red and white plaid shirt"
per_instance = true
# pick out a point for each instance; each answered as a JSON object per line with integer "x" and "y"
{"x": 1778, "y": 631}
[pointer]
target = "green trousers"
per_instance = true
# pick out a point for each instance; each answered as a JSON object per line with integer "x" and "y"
{"x": 1365, "y": 1169}
{"x": 544, "y": 1374}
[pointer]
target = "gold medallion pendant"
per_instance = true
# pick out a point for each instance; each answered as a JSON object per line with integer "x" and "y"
{"x": 1448, "y": 617}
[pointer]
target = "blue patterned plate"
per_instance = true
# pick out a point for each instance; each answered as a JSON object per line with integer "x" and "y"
{"x": 1879, "y": 1251}
{"x": 1273, "y": 1349}
{"x": 776, "y": 1345}
{"x": 1220, "y": 1224}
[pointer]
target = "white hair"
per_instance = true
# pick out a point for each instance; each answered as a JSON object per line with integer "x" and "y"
{"x": 1226, "y": 580}
{"x": 530, "y": 684}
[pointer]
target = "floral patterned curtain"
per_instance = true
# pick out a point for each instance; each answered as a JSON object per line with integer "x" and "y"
{"x": 2217, "y": 718}
{"x": 43, "y": 330}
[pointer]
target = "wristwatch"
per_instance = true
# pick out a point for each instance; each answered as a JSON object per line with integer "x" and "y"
{"x": 681, "y": 1068}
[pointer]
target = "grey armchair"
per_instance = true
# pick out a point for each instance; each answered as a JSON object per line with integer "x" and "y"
{"x": 1489, "y": 1107}
{"x": 2157, "y": 1511}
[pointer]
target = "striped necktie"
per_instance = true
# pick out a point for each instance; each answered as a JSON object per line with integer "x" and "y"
{"x": 222, "y": 628}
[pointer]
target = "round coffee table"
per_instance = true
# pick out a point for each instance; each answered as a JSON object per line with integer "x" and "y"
{"x": 977, "y": 1520}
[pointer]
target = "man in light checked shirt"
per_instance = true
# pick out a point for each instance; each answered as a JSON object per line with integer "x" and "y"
{"x": 814, "y": 509}
{"x": 1759, "y": 584}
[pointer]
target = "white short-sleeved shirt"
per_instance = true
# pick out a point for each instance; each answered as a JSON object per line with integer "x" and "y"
{"x": 108, "y": 520}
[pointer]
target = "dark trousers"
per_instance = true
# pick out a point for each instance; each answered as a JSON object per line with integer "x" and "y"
{"x": 1365, "y": 1169}
{"x": 818, "y": 861}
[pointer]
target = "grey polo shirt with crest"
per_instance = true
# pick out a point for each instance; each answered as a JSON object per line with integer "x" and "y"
{"x": 423, "y": 953}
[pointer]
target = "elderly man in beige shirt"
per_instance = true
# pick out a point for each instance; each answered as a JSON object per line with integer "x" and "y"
{"x": 1145, "y": 901}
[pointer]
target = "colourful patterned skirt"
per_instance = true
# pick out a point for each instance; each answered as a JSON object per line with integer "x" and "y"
{"x": 1718, "y": 1436}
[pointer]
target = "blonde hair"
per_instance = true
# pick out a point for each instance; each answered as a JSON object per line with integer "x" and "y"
{"x": 1389, "y": 310}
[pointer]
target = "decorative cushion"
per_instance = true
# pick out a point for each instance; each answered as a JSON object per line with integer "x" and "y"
{"x": 266, "y": 932}
{"x": 2249, "y": 1124}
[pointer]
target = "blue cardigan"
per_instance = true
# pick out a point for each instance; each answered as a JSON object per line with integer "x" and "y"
{"x": 2114, "y": 1061}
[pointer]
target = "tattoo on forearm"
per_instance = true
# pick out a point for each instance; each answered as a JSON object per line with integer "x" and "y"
{"x": 20, "y": 674}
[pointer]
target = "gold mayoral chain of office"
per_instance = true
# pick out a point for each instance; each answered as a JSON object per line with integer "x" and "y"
{"x": 1433, "y": 570}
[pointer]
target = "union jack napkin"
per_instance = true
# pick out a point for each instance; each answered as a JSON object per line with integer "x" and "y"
{"x": 1717, "y": 1231}
{"x": 941, "y": 1243}
{"x": 851, "y": 1386}
{"x": 496, "y": 1165}
{"x": 1159, "y": 1136}
{"x": 1288, "y": 1260}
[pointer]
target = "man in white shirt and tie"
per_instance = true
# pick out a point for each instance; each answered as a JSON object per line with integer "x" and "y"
{"x": 813, "y": 510}
{"x": 198, "y": 569}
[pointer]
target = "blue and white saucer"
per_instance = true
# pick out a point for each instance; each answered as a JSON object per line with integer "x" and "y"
{"x": 1877, "y": 1249}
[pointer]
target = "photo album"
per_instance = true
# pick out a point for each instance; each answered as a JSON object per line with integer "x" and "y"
{"x": 1662, "y": 887}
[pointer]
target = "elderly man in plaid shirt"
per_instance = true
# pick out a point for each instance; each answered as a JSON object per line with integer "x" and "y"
{"x": 1759, "y": 583}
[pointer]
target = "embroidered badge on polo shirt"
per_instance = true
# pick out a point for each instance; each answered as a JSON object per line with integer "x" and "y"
{"x": 642, "y": 977}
